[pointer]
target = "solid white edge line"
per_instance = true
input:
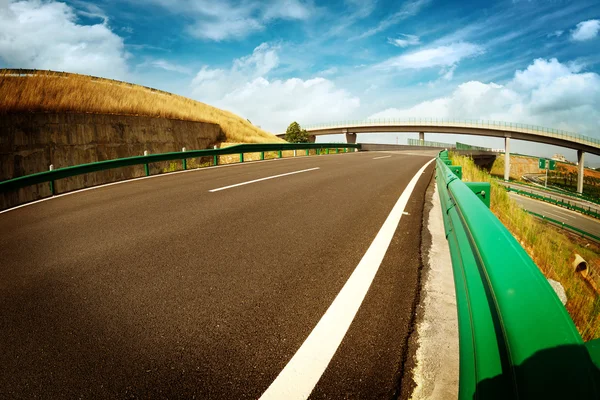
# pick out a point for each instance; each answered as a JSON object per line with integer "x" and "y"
{"x": 156, "y": 176}
{"x": 299, "y": 377}
{"x": 262, "y": 179}
{"x": 379, "y": 158}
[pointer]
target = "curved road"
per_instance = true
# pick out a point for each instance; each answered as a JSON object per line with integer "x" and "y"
{"x": 160, "y": 288}
{"x": 566, "y": 216}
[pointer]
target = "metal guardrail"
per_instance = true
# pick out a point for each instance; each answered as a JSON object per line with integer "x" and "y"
{"x": 51, "y": 176}
{"x": 516, "y": 339}
{"x": 462, "y": 123}
{"x": 427, "y": 143}
{"x": 464, "y": 146}
{"x": 561, "y": 203}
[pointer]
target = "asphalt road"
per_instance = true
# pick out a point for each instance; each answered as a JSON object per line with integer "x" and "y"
{"x": 573, "y": 218}
{"x": 554, "y": 195}
{"x": 159, "y": 288}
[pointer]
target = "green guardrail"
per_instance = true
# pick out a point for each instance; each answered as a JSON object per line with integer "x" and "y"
{"x": 566, "y": 226}
{"x": 516, "y": 339}
{"x": 426, "y": 143}
{"x": 559, "y": 202}
{"x": 60, "y": 173}
{"x": 464, "y": 146}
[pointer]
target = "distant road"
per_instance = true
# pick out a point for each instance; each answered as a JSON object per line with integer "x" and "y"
{"x": 554, "y": 195}
{"x": 205, "y": 284}
{"x": 573, "y": 218}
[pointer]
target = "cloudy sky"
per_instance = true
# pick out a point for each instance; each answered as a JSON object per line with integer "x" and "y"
{"x": 274, "y": 62}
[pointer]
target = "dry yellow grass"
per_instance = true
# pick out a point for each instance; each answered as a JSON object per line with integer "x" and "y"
{"x": 47, "y": 91}
{"x": 551, "y": 248}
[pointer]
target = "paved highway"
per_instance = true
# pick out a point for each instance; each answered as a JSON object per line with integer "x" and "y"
{"x": 573, "y": 218}
{"x": 554, "y": 195}
{"x": 191, "y": 285}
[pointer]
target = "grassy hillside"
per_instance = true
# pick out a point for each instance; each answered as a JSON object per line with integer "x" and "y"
{"x": 48, "y": 91}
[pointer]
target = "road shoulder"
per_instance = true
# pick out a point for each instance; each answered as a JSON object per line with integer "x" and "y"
{"x": 434, "y": 345}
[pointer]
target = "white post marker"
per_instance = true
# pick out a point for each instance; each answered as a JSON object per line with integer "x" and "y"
{"x": 299, "y": 377}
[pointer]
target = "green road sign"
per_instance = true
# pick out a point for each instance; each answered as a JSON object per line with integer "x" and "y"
{"x": 544, "y": 163}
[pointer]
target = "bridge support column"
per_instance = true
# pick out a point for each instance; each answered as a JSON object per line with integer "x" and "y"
{"x": 506, "y": 158}
{"x": 350, "y": 137}
{"x": 421, "y": 137}
{"x": 580, "y": 171}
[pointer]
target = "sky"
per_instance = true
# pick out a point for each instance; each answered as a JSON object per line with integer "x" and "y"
{"x": 274, "y": 62}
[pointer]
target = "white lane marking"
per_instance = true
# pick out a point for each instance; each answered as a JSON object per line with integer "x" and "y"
{"x": 262, "y": 179}
{"x": 379, "y": 158}
{"x": 555, "y": 216}
{"x": 299, "y": 377}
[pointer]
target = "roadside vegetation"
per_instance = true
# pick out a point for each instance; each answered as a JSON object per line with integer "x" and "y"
{"x": 552, "y": 249}
{"x": 47, "y": 91}
{"x": 295, "y": 134}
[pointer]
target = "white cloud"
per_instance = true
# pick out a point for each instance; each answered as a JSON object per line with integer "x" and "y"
{"x": 404, "y": 41}
{"x": 46, "y": 35}
{"x": 329, "y": 71}
{"x": 547, "y": 93}
{"x": 226, "y": 19}
{"x": 586, "y": 30}
{"x": 407, "y": 10}
{"x": 555, "y": 34}
{"x": 168, "y": 66}
{"x": 442, "y": 56}
{"x": 246, "y": 89}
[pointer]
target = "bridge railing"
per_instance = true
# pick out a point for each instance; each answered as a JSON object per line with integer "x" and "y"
{"x": 461, "y": 123}
{"x": 516, "y": 338}
{"x": 241, "y": 149}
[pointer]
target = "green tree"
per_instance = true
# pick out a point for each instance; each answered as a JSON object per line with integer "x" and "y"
{"x": 295, "y": 134}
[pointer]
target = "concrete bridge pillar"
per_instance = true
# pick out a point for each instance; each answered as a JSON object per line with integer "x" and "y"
{"x": 350, "y": 137}
{"x": 421, "y": 137}
{"x": 580, "y": 171}
{"x": 506, "y": 158}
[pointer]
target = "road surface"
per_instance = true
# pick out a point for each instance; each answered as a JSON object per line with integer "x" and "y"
{"x": 573, "y": 218}
{"x": 190, "y": 285}
{"x": 554, "y": 195}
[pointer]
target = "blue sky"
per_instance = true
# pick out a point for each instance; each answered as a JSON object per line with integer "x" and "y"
{"x": 273, "y": 62}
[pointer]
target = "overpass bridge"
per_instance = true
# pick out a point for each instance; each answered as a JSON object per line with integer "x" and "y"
{"x": 507, "y": 130}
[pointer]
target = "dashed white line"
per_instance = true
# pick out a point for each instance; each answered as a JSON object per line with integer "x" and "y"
{"x": 555, "y": 216}
{"x": 299, "y": 377}
{"x": 262, "y": 179}
{"x": 379, "y": 158}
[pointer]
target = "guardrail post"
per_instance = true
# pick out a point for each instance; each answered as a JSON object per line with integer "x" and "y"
{"x": 306, "y": 151}
{"x": 146, "y": 168}
{"x": 295, "y": 153}
{"x": 51, "y": 168}
{"x": 262, "y": 155}
{"x": 183, "y": 160}
{"x": 241, "y": 157}
{"x": 327, "y": 150}
{"x": 215, "y": 157}
{"x": 337, "y": 150}
{"x": 280, "y": 154}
